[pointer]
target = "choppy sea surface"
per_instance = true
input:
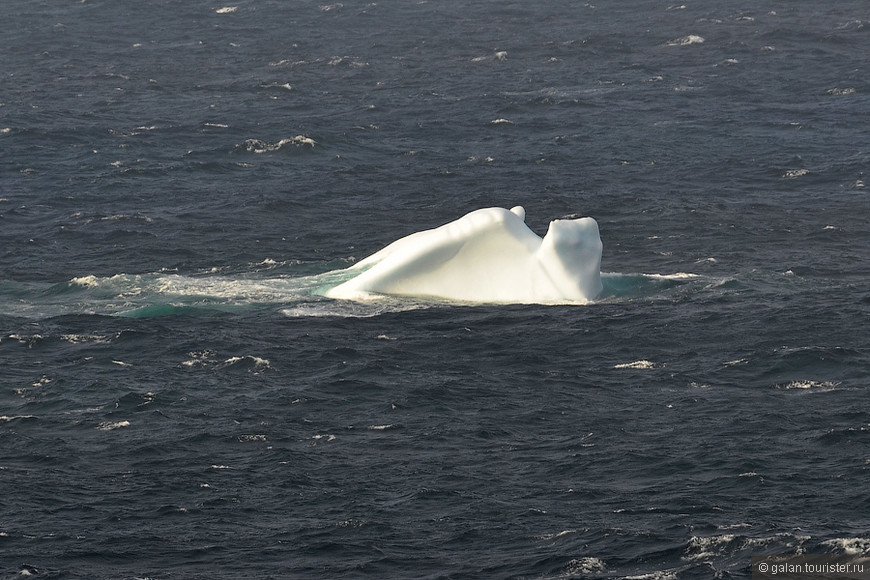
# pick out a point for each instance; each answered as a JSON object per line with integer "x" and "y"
{"x": 179, "y": 183}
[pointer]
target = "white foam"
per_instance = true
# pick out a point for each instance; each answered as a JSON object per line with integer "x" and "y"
{"x": 258, "y": 364}
{"x": 838, "y": 91}
{"x": 111, "y": 426}
{"x": 553, "y": 536}
{"x": 638, "y": 364}
{"x": 808, "y": 384}
{"x": 227, "y": 10}
{"x": 676, "y": 276}
{"x": 850, "y": 546}
{"x": 582, "y": 567}
{"x": 735, "y": 362}
{"x": 487, "y": 256}
{"x": 498, "y": 56}
{"x": 85, "y": 338}
{"x": 708, "y": 547}
{"x": 705, "y": 547}
{"x": 259, "y": 146}
{"x": 686, "y": 40}
{"x": 86, "y": 281}
{"x": 199, "y": 358}
{"x": 255, "y": 437}
{"x": 659, "y": 575}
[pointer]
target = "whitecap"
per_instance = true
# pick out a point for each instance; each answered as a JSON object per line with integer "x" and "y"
{"x": 497, "y": 56}
{"x": 704, "y": 547}
{"x": 793, "y": 173}
{"x": 659, "y": 575}
{"x": 849, "y": 546}
{"x": 578, "y": 567}
{"x": 253, "y": 437}
{"x": 382, "y": 427}
{"x": 686, "y": 40}
{"x": 85, "y": 338}
{"x": 259, "y": 146}
{"x": 199, "y": 358}
{"x": 675, "y": 276}
{"x": 553, "y": 536}
{"x": 638, "y": 364}
{"x": 227, "y": 10}
{"x": 111, "y": 426}
{"x": 90, "y": 281}
{"x": 737, "y": 526}
{"x": 809, "y": 384}
{"x": 256, "y": 363}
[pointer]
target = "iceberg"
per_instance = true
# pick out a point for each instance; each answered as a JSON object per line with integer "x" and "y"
{"x": 487, "y": 256}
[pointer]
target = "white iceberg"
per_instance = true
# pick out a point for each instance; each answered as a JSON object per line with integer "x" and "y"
{"x": 487, "y": 256}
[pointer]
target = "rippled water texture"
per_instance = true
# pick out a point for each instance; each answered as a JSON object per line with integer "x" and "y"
{"x": 181, "y": 183}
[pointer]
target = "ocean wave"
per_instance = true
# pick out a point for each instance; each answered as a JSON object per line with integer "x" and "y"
{"x": 803, "y": 385}
{"x": 701, "y": 548}
{"x": 254, "y": 364}
{"x": 638, "y": 364}
{"x": 259, "y": 146}
{"x": 849, "y": 546}
{"x": 112, "y": 425}
{"x": 686, "y": 40}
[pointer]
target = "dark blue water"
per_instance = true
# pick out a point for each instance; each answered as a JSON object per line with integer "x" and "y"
{"x": 179, "y": 182}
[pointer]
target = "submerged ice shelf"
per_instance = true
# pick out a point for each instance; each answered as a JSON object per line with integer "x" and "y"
{"x": 487, "y": 256}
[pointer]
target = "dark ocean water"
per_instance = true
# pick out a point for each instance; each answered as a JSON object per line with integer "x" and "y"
{"x": 178, "y": 181}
